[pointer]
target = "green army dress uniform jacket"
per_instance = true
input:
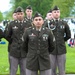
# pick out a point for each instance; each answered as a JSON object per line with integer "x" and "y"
{"x": 38, "y": 45}
{"x": 62, "y": 34}
{"x": 29, "y": 21}
{"x": 14, "y": 35}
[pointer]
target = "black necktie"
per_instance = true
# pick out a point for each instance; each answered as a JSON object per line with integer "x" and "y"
{"x": 56, "y": 20}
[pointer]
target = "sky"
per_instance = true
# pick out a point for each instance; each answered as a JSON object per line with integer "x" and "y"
{"x": 4, "y": 5}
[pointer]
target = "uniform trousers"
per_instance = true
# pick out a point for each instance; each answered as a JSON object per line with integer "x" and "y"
{"x": 45, "y": 72}
{"x": 58, "y": 61}
{"x": 14, "y": 62}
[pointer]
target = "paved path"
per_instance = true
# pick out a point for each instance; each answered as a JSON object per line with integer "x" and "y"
{"x": 70, "y": 74}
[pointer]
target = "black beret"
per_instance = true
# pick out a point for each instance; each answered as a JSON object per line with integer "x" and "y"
{"x": 50, "y": 11}
{"x": 14, "y": 11}
{"x": 37, "y": 14}
{"x": 29, "y": 7}
{"x": 56, "y": 8}
{"x": 19, "y": 9}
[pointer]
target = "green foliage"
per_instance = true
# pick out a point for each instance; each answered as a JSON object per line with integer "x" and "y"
{"x": 43, "y": 6}
{"x": 1, "y": 16}
{"x": 70, "y": 60}
{"x": 8, "y": 15}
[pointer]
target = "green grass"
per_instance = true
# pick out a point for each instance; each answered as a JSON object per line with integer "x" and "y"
{"x": 4, "y": 63}
{"x": 70, "y": 60}
{"x": 4, "y": 60}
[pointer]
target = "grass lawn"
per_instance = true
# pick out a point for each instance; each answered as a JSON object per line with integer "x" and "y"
{"x": 4, "y": 64}
{"x": 70, "y": 60}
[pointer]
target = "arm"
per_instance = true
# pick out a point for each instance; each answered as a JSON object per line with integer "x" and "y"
{"x": 67, "y": 31}
{"x": 25, "y": 41}
{"x": 8, "y": 32}
{"x": 51, "y": 41}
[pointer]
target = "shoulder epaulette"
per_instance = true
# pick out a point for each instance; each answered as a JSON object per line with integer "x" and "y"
{"x": 29, "y": 27}
{"x": 15, "y": 21}
{"x": 46, "y": 27}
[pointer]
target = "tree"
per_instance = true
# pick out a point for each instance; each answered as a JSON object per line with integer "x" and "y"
{"x": 43, "y": 6}
{"x": 1, "y": 16}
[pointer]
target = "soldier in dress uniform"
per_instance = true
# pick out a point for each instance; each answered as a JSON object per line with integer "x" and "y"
{"x": 14, "y": 15}
{"x": 14, "y": 34}
{"x": 49, "y": 18}
{"x": 6, "y": 28}
{"x": 38, "y": 43}
{"x": 49, "y": 15}
{"x": 28, "y": 16}
{"x": 58, "y": 56}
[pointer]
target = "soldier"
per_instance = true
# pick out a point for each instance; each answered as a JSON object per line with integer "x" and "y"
{"x": 6, "y": 28}
{"x": 14, "y": 34}
{"x": 38, "y": 43}
{"x": 48, "y": 19}
{"x": 58, "y": 56}
{"x": 29, "y": 17}
{"x": 14, "y": 15}
{"x": 49, "y": 15}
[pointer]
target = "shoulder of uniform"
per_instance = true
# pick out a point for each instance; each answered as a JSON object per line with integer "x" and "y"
{"x": 52, "y": 20}
{"x": 15, "y": 21}
{"x": 64, "y": 22}
{"x": 29, "y": 28}
{"x": 10, "y": 22}
{"x": 46, "y": 28}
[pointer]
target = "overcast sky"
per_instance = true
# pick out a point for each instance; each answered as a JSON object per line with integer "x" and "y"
{"x": 4, "y": 5}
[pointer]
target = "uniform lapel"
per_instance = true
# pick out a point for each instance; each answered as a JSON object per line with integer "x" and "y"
{"x": 34, "y": 31}
{"x": 42, "y": 31}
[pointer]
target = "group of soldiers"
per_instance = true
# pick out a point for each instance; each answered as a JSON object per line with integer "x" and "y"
{"x": 35, "y": 44}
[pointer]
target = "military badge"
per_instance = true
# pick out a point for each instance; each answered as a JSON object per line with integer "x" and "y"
{"x": 62, "y": 27}
{"x": 32, "y": 36}
{"x": 15, "y": 27}
{"x": 45, "y": 37}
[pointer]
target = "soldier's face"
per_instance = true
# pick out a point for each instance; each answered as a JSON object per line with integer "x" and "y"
{"x": 38, "y": 21}
{"x": 14, "y": 16}
{"x": 56, "y": 14}
{"x": 20, "y": 15}
{"x": 29, "y": 12}
{"x": 49, "y": 16}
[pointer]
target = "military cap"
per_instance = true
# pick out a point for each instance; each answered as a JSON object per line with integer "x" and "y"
{"x": 50, "y": 11}
{"x": 14, "y": 11}
{"x": 37, "y": 14}
{"x": 56, "y": 8}
{"x": 19, "y": 9}
{"x": 29, "y": 7}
